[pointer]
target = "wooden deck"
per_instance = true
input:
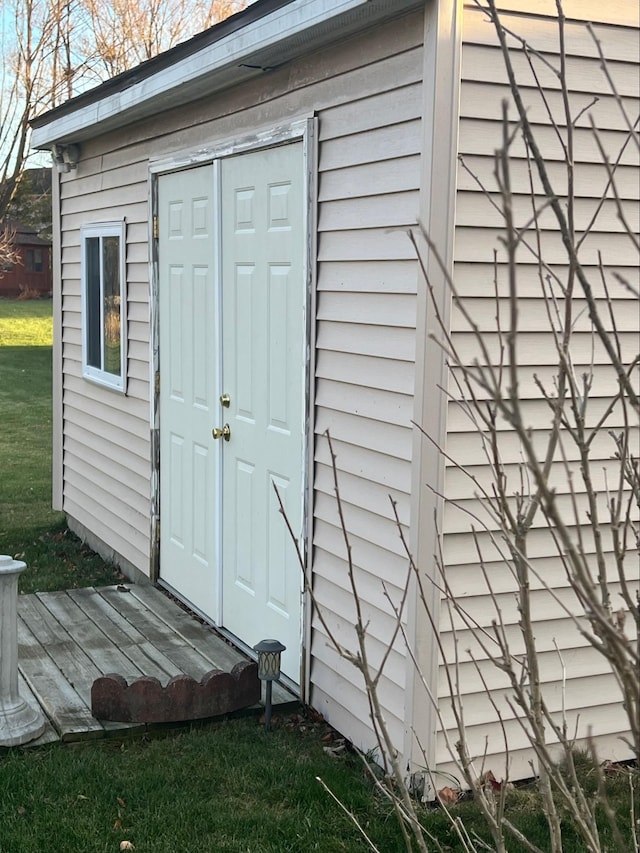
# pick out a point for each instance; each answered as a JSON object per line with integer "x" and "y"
{"x": 68, "y": 639}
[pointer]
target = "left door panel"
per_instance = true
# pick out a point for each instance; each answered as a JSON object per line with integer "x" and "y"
{"x": 188, "y": 383}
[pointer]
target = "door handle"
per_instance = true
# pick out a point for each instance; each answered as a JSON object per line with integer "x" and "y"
{"x": 222, "y": 432}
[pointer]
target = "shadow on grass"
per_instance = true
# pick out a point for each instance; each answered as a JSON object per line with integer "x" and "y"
{"x": 56, "y": 559}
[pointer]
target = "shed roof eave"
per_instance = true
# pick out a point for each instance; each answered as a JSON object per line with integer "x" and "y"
{"x": 257, "y": 47}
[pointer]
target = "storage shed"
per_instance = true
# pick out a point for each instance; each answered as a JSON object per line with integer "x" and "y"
{"x": 233, "y": 277}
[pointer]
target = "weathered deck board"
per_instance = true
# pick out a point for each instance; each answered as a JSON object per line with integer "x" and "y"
{"x": 221, "y": 655}
{"x": 183, "y": 654}
{"x": 68, "y": 639}
{"x": 146, "y": 657}
{"x": 101, "y": 649}
{"x": 58, "y": 698}
{"x": 69, "y": 655}
{"x": 49, "y": 735}
{"x": 218, "y": 653}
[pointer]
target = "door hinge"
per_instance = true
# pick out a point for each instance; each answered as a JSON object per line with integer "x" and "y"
{"x": 157, "y": 382}
{"x": 156, "y": 230}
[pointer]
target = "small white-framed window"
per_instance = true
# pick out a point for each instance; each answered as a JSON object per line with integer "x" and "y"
{"x": 104, "y": 301}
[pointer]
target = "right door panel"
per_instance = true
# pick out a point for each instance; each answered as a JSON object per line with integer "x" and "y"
{"x": 263, "y": 368}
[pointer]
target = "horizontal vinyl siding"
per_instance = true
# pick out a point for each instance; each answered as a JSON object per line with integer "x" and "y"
{"x": 575, "y": 676}
{"x": 106, "y": 454}
{"x": 365, "y": 350}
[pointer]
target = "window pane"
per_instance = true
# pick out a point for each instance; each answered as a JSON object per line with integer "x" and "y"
{"x": 104, "y": 292}
{"x": 92, "y": 298}
{"x": 111, "y": 295}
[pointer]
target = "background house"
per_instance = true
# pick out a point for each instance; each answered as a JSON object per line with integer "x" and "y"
{"x": 30, "y": 273}
{"x": 248, "y": 195}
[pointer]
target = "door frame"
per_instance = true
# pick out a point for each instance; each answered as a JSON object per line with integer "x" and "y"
{"x": 303, "y": 130}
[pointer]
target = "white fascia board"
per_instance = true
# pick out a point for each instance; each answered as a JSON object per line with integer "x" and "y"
{"x": 227, "y": 54}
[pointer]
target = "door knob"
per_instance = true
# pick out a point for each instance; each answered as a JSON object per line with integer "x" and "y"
{"x": 222, "y": 432}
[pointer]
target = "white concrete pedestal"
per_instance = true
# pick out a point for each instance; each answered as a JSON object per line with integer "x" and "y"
{"x": 19, "y": 722}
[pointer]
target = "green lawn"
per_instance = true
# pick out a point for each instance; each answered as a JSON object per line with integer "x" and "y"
{"x": 230, "y": 787}
{"x": 29, "y": 529}
{"x": 25, "y": 403}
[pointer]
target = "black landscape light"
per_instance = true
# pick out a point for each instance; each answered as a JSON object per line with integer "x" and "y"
{"x": 269, "y": 652}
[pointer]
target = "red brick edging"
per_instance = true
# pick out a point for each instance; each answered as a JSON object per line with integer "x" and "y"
{"x": 145, "y": 700}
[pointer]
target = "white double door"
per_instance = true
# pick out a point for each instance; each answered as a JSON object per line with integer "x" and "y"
{"x": 232, "y": 300}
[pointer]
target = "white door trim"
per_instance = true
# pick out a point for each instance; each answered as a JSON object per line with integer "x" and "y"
{"x": 304, "y": 129}
{"x": 217, "y": 284}
{"x": 298, "y": 128}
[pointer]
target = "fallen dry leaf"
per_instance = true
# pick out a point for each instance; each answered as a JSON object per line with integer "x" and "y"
{"x": 448, "y": 796}
{"x": 488, "y": 779}
{"x": 117, "y": 823}
{"x": 121, "y": 802}
{"x": 126, "y": 845}
{"x": 22, "y": 810}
